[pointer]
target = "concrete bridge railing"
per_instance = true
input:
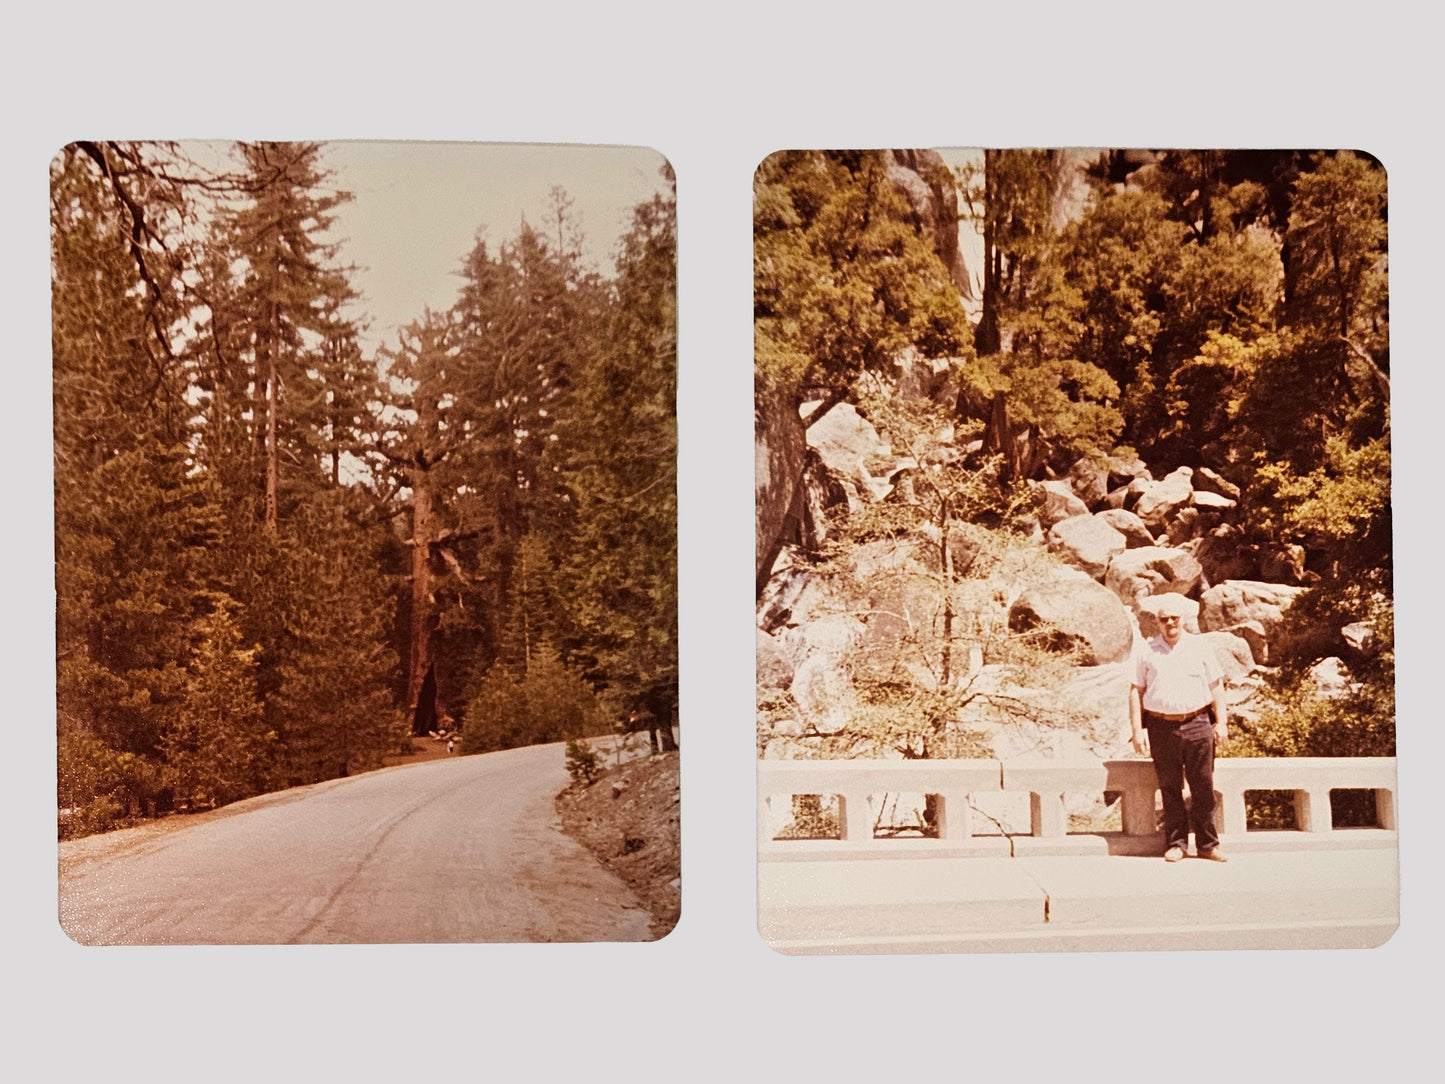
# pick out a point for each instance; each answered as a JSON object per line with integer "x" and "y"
{"x": 957, "y": 784}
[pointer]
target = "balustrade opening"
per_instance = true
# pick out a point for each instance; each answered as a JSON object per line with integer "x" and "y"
{"x": 905, "y": 815}
{"x": 1354, "y": 808}
{"x": 1269, "y": 811}
{"x": 812, "y": 816}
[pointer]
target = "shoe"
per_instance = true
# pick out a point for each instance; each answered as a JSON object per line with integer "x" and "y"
{"x": 1174, "y": 854}
{"x": 1213, "y": 856}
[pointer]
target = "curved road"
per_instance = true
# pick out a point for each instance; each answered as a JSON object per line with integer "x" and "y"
{"x": 457, "y": 850}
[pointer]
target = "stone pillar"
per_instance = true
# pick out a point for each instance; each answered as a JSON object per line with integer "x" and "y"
{"x": 955, "y": 816}
{"x": 1312, "y": 810}
{"x": 1385, "y": 808}
{"x": 1137, "y": 811}
{"x": 855, "y": 818}
{"x": 1046, "y": 813}
{"x": 1229, "y": 809}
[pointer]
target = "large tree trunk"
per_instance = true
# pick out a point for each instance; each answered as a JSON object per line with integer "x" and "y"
{"x": 422, "y": 528}
{"x": 986, "y": 335}
{"x": 273, "y": 393}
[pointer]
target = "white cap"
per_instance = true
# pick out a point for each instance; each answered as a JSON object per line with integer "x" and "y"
{"x": 1170, "y": 604}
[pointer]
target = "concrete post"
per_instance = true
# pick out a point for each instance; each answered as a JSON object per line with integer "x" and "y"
{"x": 1385, "y": 808}
{"x": 765, "y": 820}
{"x": 1230, "y": 809}
{"x": 1137, "y": 812}
{"x": 1312, "y": 810}
{"x": 955, "y": 817}
{"x": 1046, "y": 812}
{"x": 854, "y": 817}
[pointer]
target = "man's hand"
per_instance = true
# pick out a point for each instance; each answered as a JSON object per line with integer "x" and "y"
{"x": 1140, "y": 739}
{"x": 1221, "y": 730}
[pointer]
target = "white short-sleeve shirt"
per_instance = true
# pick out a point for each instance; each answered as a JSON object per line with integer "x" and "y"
{"x": 1176, "y": 679}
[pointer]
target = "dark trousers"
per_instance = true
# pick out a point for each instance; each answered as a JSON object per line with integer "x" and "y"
{"x": 1183, "y": 751}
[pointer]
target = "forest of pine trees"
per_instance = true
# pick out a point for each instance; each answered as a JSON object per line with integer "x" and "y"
{"x": 278, "y": 558}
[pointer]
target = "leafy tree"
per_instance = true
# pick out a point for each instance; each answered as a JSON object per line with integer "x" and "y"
{"x": 843, "y": 280}
{"x": 98, "y": 786}
{"x": 219, "y": 749}
{"x": 1120, "y": 256}
{"x": 1042, "y": 399}
{"x": 525, "y": 320}
{"x": 618, "y": 464}
{"x": 289, "y": 369}
{"x": 538, "y": 610}
{"x": 417, "y": 452}
{"x": 134, "y": 522}
{"x": 583, "y": 764}
{"x": 1299, "y": 722}
{"x": 549, "y": 702}
{"x": 226, "y": 458}
{"x": 944, "y": 660}
{"x": 1315, "y": 421}
{"x": 1023, "y": 294}
{"x": 334, "y": 709}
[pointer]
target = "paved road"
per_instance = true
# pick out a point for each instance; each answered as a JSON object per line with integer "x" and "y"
{"x": 457, "y": 850}
{"x": 1324, "y": 899}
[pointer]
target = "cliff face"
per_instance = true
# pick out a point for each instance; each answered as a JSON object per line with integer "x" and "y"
{"x": 923, "y": 177}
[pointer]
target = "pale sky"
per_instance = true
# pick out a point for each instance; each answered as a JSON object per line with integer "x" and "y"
{"x": 418, "y": 207}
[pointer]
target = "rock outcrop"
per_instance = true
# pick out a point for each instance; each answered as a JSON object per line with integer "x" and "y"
{"x": 774, "y": 663}
{"x": 1086, "y": 542}
{"x": 923, "y": 178}
{"x": 1250, "y": 609}
{"x": 1058, "y": 501}
{"x": 1159, "y": 500}
{"x": 1151, "y": 570}
{"x": 831, "y": 637}
{"x": 848, "y": 444}
{"x": 1080, "y": 614}
{"x": 1127, "y": 524}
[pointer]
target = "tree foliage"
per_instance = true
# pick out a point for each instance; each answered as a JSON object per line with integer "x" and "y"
{"x": 544, "y": 701}
{"x": 271, "y": 546}
{"x": 218, "y": 748}
{"x": 843, "y": 280}
{"x": 618, "y": 465}
{"x": 1221, "y": 309}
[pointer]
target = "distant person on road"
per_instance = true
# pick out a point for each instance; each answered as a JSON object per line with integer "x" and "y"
{"x": 1176, "y": 715}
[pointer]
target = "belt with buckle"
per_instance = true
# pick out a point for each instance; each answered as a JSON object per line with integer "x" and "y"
{"x": 1177, "y": 718}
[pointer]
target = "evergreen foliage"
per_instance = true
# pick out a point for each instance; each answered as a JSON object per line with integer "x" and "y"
{"x": 582, "y": 762}
{"x": 1035, "y": 371}
{"x": 619, "y": 470}
{"x": 271, "y": 548}
{"x": 334, "y": 706}
{"x": 843, "y": 280}
{"x": 218, "y": 748}
{"x": 543, "y": 701}
{"x": 1221, "y": 309}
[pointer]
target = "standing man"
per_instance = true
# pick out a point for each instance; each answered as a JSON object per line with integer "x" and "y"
{"x": 1176, "y": 714}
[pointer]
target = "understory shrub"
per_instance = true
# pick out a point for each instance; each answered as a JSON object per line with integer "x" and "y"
{"x": 98, "y": 787}
{"x": 547, "y": 702}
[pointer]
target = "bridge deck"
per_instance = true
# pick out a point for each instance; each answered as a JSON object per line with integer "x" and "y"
{"x": 1260, "y": 899}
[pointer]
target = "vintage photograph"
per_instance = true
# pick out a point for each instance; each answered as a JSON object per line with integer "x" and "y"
{"x": 366, "y": 542}
{"x": 1074, "y": 581}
